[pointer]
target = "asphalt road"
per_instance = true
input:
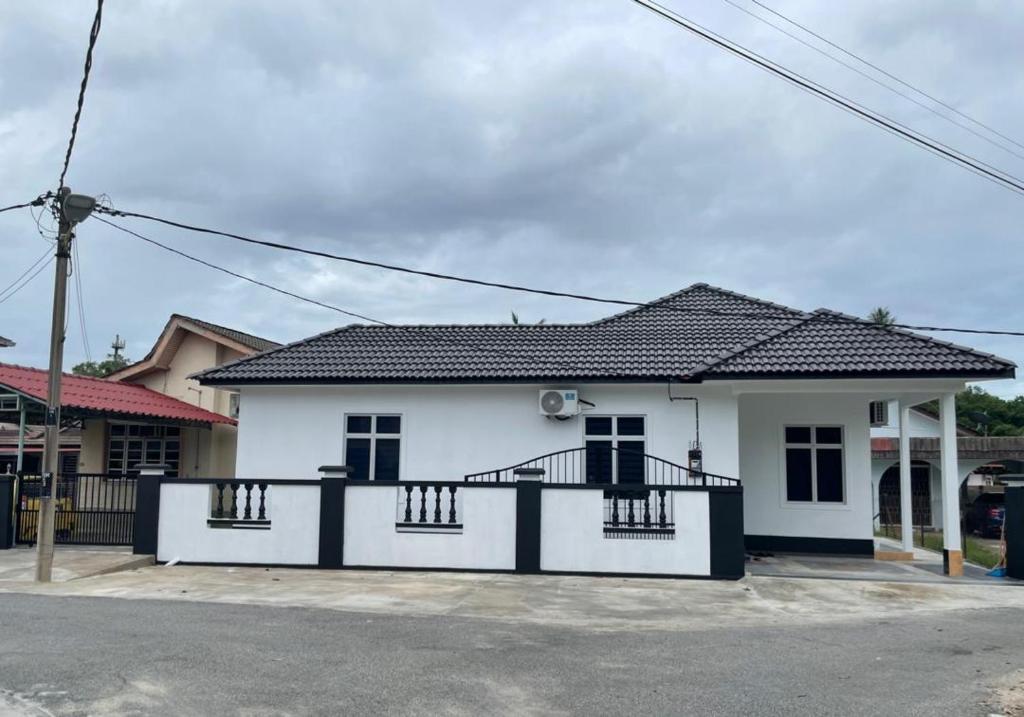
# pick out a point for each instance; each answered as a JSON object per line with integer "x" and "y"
{"x": 71, "y": 656}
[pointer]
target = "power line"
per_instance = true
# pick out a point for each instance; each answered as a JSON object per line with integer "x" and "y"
{"x": 22, "y": 275}
{"x": 534, "y": 290}
{"x": 76, "y": 269}
{"x": 27, "y": 281}
{"x": 352, "y": 314}
{"x": 880, "y": 83}
{"x": 972, "y": 164}
{"x": 94, "y": 33}
{"x": 888, "y": 74}
{"x": 37, "y": 202}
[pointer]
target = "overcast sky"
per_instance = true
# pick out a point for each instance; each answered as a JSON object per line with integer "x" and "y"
{"x": 585, "y": 146}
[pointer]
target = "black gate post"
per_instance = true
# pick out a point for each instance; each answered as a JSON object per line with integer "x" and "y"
{"x": 332, "y": 516}
{"x": 147, "y": 509}
{"x": 7, "y": 502}
{"x": 1013, "y": 520}
{"x": 528, "y": 482}
{"x": 728, "y": 555}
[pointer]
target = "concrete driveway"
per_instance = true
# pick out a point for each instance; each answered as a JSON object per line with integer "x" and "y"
{"x": 70, "y": 562}
{"x": 595, "y": 603}
{"x": 194, "y": 640}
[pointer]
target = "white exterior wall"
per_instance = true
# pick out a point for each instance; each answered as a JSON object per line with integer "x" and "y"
{"x": 449, "y": 431}
{"x": 921, "y": 426}
{"x": 572, "y": 537}
{"x": 762, "y": 418}
{"x": 487, "y": 541}
{"x": 293, "y": 537}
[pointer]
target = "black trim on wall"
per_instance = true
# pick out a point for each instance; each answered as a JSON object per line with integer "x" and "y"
{"x": 528, "y": 526}
{"x": 1014, "y": 522}
{"x": 332, "y": 523}
{"x": 728, "y": 555}
{"x": 826, "y": 546}
{"x": 147, "y": 514}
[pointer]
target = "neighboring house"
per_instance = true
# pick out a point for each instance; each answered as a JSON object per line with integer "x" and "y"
{"x": 185, "y": 346}
{"x": 32, "y": 448}
{"x": 974, "y": 453}
{"x": 782, "y": 398}
{"x": 94, "y": 402}
{"x": 5, "y": 343}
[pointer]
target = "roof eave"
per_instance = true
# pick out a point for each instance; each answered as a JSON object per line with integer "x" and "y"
{"x": 795, "y": 375}
{"x": 454, "y": 381}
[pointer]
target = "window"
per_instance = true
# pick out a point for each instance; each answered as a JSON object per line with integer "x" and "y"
{"x": 130, "y": 444}
{"x": 814, "y": 464}
{"x": 8, "y": 403}
{"x": 615, "y": 448}
{"x": 372, "y": 446}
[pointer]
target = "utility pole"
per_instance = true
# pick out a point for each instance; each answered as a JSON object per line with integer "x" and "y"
{"x": 72, "y": 209}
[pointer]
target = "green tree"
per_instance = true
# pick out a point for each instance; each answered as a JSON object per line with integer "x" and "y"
{"x": 990, "y": 415}
{"x": 881, "y": 316}
{"x": 515, "y": 319}
{"x": 100, "y": 369}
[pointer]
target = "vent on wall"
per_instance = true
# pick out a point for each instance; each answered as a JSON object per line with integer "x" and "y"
{"x": 879, "y": 413}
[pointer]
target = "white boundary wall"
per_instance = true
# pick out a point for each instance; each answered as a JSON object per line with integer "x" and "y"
{"x": 293, "y": 537}
{"x": 487, "y": 542}
{"x": 572, "y": 536}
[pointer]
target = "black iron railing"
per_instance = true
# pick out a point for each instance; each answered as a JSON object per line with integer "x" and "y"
{"x": 91, "y": 508}
{"x": 239, "y": 504}
{"x": 588, "y": 466}
{"x": 428, "y": 507}
{"x": 632, "y": 513}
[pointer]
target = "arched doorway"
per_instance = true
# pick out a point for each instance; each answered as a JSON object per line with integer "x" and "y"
{"x": 920, "y": 495}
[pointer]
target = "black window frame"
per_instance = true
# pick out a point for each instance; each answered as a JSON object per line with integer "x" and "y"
{"x": 614, "y": 438}
{"x": 813, "y": 447}
{"x": 373, "y": 436}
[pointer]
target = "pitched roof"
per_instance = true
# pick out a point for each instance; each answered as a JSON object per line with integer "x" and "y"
{"x": 256, "y": 343}
{"x": 101, "y": 396}
{"x": 701, "y": 332}
{"x": 5, "y": 343}
{"x": 173, "y": 334}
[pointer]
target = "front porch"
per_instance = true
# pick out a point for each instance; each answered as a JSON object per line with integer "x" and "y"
{"x": 806, "y": 465}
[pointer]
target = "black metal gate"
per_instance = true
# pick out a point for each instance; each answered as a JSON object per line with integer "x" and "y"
{"x": 92, "y": 509}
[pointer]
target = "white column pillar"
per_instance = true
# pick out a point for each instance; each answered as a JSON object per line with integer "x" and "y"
{"x": 952, "y": 557}
{"x": 906, "y": 503}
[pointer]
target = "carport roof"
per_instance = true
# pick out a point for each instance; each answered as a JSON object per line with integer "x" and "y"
{"x": 699, "y": 333}
{"x": 85, "y": 396}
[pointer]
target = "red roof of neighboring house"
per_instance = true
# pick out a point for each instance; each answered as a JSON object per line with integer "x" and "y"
{"x": 101, "y": 396}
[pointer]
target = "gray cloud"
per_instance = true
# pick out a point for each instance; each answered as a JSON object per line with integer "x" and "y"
{"x": 584, "y": 145}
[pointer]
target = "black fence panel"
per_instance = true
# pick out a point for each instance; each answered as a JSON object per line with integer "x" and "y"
{"x": 92, "y": 509}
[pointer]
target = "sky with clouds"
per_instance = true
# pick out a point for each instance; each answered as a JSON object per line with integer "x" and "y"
{"x": 584, "y": 145}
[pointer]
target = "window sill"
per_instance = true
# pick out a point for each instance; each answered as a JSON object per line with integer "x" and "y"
{"x": 238, "y": 523}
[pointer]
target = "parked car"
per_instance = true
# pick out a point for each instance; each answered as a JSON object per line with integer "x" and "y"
{"x": 985, "y": 515}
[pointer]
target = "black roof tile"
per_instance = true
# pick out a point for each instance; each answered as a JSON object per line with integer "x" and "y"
{"x": 697, "y": 333}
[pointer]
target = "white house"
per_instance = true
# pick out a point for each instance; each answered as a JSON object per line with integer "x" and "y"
{"x": 773, "y": 396}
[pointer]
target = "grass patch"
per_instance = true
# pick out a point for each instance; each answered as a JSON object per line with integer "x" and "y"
{"x": 978, "y": 552}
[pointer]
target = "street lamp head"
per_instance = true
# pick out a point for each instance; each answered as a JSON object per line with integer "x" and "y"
{"x": 77, "y": 207}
